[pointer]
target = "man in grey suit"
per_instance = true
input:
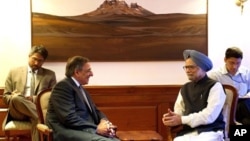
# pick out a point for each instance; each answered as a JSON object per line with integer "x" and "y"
{"x": 24, "y": 83}
{"x": 71, "y": 113}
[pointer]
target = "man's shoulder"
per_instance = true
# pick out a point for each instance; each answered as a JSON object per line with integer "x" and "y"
{"x": 18, "y": 68}
{"x": 219, "y": 69}
{"x": 46, "y": 70}
{"x": 217, "y": 72}
{"x": 66, "y": 83}
{"x": 244, "y": 69}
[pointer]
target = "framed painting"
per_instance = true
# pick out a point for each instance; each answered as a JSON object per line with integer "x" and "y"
{"x": 120, "y": 30}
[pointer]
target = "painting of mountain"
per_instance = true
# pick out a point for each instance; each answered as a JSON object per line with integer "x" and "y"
{"x": 117, "y": 31}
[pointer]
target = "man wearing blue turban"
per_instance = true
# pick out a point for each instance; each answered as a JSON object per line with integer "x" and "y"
{"x": 199, "y": 103}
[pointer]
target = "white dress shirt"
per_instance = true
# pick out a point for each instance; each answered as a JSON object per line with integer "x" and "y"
{"x": 241, "y": 80}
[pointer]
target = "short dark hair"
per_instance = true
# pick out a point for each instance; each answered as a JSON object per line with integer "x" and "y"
{"x": 39, "y": 49}
{"x": 233, "y": 52}
{"x": 75, "y": 63}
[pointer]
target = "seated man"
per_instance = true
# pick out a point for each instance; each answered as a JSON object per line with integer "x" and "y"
{"x": 24, "y": 83}
{"x": 71, "y": 113}
{"x": 199, "y": 103}
{"x": 238, "y": 76}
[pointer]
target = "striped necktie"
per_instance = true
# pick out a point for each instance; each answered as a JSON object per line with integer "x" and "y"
{"x": 85, "y": 97}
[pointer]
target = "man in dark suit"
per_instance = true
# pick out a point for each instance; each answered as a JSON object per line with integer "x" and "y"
{"x": 71, "y": 113}
{"x": 24, "y": 83}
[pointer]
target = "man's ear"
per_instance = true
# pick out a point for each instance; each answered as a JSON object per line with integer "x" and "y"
{"x": 76, "y": 72}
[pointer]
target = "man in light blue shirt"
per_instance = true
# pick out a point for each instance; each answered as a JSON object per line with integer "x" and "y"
{"x": 234, "y": 74}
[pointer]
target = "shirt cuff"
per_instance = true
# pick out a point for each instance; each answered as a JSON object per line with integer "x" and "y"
{"x": 185, "y": 119}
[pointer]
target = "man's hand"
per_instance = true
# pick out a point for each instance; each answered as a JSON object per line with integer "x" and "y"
{"x": 111, "y": 129}
{"x": 15, "y": 92}
{"x": 171, "y": 119}
{"x": 102, "y": 128}
{"x": 106, "y": 128}
{"x": 30, "y": 98}
{"x": 246, "y": 96}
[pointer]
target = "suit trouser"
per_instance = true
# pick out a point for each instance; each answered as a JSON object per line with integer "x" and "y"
{"x": 203, "y": 136}
{"x": 21, "y": 108}
{"x": 88, "y": 134}
{"x": 243, "y": 111}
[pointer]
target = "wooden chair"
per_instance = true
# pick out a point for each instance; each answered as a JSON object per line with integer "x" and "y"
{"x": 229, "y": 111}
{"x": 45, "y": 133}
{"x": 15, "y": 129}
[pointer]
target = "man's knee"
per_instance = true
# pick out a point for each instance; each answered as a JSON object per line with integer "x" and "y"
{"x": 17, "y": 98}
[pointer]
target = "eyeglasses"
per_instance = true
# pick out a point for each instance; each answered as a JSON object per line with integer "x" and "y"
{"x": 35, "y": 59}
{"x": 190, "y": 67}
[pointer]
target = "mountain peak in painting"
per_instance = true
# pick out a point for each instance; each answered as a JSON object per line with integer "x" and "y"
{"x": 119, "y": 7}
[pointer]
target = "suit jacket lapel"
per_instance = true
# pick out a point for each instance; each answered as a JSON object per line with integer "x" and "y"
{"x": 80, "y": 95}
{"x": 76, "y": 88}
{"x": 24, "y": 76}
{"x": 89, "y": 99}
{"x": 92, "y": 107}
{"x": 94, "y": 114}
{"x": 39, "y": 77}
{"x": 83, "y": 99}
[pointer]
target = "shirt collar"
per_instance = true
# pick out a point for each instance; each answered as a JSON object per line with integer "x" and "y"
{"x": 30, "y": 70}
{"x": 76, "y": 82}
{"x": 224, "y": 70}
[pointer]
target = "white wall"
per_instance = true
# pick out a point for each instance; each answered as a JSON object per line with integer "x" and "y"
{"x": 226, "y": 27}
{"x": 130, "y": 73}
{"x": 15, "y": 35}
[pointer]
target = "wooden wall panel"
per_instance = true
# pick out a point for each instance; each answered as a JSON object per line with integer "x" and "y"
{"x": 137, "y": 107}
{"x": 3, "y": 112}
{"x": 124, "y": 99}
{"x": 137, "y": 117}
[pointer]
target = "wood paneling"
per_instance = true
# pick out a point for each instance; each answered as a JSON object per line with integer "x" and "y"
{"x": 3, "y": 112}
{"x": 137, "y": 107}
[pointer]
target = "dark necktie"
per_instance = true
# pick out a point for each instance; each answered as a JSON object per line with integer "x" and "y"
{"x": 32, "y": 83}
{"x": 85, "y": 97}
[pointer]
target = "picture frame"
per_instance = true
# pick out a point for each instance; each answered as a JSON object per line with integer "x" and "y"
{"x": 120, "y": 33}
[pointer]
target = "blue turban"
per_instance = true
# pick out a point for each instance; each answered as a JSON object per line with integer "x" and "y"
{"x": 199, "y": 59}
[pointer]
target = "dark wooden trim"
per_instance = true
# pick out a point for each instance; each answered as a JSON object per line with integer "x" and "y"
{"x": 234, "y": 103}
{"x": 2, "y": 104}
{"x": 138, "y": 107}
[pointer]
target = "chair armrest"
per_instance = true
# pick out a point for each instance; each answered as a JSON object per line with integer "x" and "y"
{"x": 238, "y": 123}
{"x": 174, "y": 130}
{"x": 44, "y": 128}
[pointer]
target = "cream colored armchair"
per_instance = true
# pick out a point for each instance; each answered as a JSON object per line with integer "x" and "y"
{"x": 229, "y": 111}
{"x": 45, "y": 133}
{"x": 14, "y": 129}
